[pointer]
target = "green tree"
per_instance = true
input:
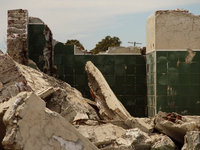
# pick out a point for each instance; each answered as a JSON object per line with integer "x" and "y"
{"x": 74, "y": 42}
{"x": 103, "y": 45}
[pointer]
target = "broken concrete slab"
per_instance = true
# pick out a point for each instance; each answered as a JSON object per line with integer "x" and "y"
{"x": 30, "y": 124}
{"x": 192, "y": 140}
{"x": 101, "y": 135}
{"x": 176, "y": 126}
{"x": 144, "y": 124}
{"x": 58, "y": 95}
{"x": 162, "y": 142}
{"x": 110, "y": 107}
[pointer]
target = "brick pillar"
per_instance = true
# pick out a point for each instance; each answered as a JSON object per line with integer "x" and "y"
{"x": 17, "y": 35}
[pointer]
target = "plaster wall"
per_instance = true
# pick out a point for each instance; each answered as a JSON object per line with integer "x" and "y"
{"x": 176, "y": 29}
{"x": 150, "y": 33}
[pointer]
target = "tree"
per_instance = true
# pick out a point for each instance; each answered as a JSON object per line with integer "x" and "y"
{"x": 103, "y": 45}
{"x": 74, "y": 42}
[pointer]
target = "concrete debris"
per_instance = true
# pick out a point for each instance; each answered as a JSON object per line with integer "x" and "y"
{"x": 30, "y": 125}
{"x": 110, "y": 107}
{"x": 162, "y": 142}
{"x": 144, "y": 124}
{"x": 176, "y": 126}
{"x": 37, "y": 110}
{"x": 17, "y": 35}
{"x": 192, "y": 140}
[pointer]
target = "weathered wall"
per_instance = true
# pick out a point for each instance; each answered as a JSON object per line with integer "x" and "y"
{"x": 177, "y": 29}
{"x": 150, "y": 33}
{"x": 173, "y": 66}
{"x": 125, "y": 74}
{"x": 17, "y": 35}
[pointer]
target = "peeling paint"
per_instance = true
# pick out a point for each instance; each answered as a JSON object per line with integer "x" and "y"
{"x": 190, "y": 56}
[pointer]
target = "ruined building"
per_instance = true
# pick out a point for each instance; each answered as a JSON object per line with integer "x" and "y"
{"x": 38, "y": 111}
{"x": 166, "y": 78}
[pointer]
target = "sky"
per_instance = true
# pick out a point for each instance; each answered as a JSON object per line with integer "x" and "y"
{"x": 89, "y": 21}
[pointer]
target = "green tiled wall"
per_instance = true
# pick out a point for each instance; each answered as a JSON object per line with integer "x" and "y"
{"x": 177, "y": 83}
{"x": 126, "y": 75}
{"x": 151, "y": 73}
{"x": 36, "y": 44}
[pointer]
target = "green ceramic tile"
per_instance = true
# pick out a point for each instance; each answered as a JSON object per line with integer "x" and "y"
{"x": 184, "y": 68}
{"x": 140, "y": 60}
{"x": 79, "y": 60}
{"x": 140, "y": 90}
{"x": 162, "y": 102}
{"x": 110, "y": 80}
{"x": 120, "y": 59}
{"x": 61, "y": 77}
{"x": 60, "y": 69}
{"x": 120, "y": 69}
{"x": 194, "y": 89}
{"x": 183, "y": 78}
{"x": 162, "y": 59}
{"x": 194, "y": 78}
{"x": 89, "y": 58}
{"x": 68, "y": 69}
{"x": 119, "y": 80}
{"x": 120, "y": 90}
{"x": 182, "y": 55}
{"x": 101, "y": 68}
{"x": 108, "y": 60}
{"x": 68, "y": 49}
{"x": 139, "y": 111}
{"x": 172, "y": 56}
{"x": 80, "y": 80}
{"x": 130, "y": 80}
{"x": 69, "y": 80}
{"x": 162, "y": 78}
{"x": 161, "y": 89}
{"x": 183, "y": 100}
{"x": 152, "y": 68}
{"x": 141, "y": 80}
{"x": 195, "y": 68}
{"x": 152, "y": 89}
{"x": 161, "y": 54}
{"x": 59, "y": 48}
{"x": 68, "y": 59}
{"x": 109, "y": 69}
{"x": 161, "y": 67}
{"x": 130, "y": 90}
{"x": 130, "y": 60}
{"x": 148, "y": 58}
{"x": 99, "y": 60}
{"x": 172, "y": 65}
{"x": 140, "y": 70}
{"x": 130, "y": 70}
{"x": 79, "y": 70}
{"x": 173, "y": 78}
{"x": 141, "y": 101}
{"x": 184, "y": 90}
{"x": 151, "y": 112}
{"x": 172, "y": 71}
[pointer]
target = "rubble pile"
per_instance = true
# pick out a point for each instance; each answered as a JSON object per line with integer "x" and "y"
{"x": 38, "y": 111}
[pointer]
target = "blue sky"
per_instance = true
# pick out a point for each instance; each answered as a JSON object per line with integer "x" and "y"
{"x": 90, "y": 21}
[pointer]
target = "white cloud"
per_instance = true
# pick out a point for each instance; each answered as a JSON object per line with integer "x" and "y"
{"x": 79, "y": 18}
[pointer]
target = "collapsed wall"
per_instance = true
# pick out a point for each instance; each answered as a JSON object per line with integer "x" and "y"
{"x": 17, "y": 35}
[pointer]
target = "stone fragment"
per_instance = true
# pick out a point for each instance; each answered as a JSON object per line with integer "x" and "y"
{"x": 144, "y": 124}
{"x": 163, "y": 142}
{"x": 110, "y": 107}
{"x": 176, "y": 126}
{"x": 29, "y": 124}
{"x": 192, "y": 141}
{"x": 101, "y": 135}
